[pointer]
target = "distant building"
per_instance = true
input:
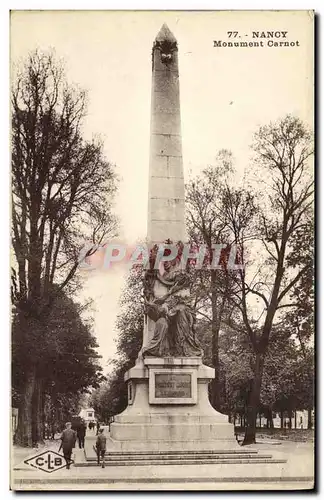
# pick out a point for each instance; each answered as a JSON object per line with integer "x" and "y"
{"x": 87, "y": 414}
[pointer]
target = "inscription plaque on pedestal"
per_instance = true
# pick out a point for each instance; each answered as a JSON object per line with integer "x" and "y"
{"x": 172, "y": 386}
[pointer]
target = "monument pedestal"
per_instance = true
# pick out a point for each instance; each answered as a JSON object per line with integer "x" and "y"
{"x": 168, "y": 409}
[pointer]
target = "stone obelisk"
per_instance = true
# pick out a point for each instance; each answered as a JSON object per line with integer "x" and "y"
{"x": 166, "y": 184}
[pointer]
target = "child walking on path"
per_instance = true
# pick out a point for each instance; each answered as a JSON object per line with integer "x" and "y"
{"x": 101, "y": 447}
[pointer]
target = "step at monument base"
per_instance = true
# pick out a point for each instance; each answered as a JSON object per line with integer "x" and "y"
{"x": 180, "y": 458}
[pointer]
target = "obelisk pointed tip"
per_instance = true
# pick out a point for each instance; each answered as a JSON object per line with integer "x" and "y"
{"x": 165, "y": 34}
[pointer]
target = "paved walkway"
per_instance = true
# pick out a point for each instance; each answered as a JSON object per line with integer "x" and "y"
{"x": 296, "y": 473}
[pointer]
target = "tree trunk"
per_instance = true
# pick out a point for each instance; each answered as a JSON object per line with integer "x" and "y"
{"x": 38, "y": 410}
{"x": 281, "y": 420}
{"x": 295, "y": 419}
{"x": 217, "y": 313}
{"x": 260, "y": 421}
{"x": 271, "y": 419}
{"x": 309, "y": 418}
{"x": 254, "y": 399}
{"x": 24, "y": 434}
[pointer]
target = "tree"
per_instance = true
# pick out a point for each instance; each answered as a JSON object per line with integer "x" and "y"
{"x": 111, "y": 398}
{"x": 301, "y": 318}
{"x": 212, "y": 288}
{"x": 62, "y": 191}
{"x": 130, "y": 320}
{"x": 286, "y": 383}
{"x": 283, "y": 151}
{"x": 66, "y": 358}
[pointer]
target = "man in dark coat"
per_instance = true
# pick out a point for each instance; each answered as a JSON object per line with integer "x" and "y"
{"x": 68, "y": 439}
{"x": 81, "y": 432}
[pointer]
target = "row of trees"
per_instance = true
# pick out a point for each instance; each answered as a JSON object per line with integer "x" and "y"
{"x": 62, "y": 192}
{"x": 67, "y": 365}
{"x": 260, "y": 314}
{"x": 288, "y": 377}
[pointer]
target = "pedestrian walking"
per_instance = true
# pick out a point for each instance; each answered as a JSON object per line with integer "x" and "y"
{"x": 98, "y": 427}
{"x": 81, "y": 432}
{"x": 101, "y": 447}
{"x": 53, "y": 430}
{"x": 68, "y": 439}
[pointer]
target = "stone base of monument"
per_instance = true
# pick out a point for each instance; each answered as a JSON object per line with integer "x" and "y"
{"x": 170, "y": 421}
{"x": 168, "y": 409}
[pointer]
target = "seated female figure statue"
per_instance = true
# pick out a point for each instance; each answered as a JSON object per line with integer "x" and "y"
{"x": 159, "y": 345}
{"x": 174, "y": 331}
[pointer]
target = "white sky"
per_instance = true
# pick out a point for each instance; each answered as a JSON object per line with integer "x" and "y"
{"x": 226, "y": 93}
